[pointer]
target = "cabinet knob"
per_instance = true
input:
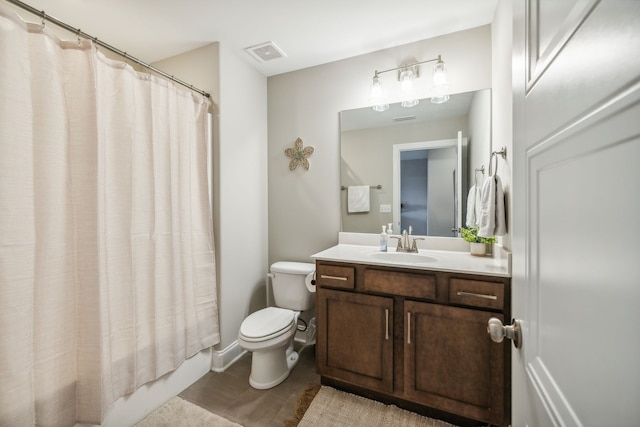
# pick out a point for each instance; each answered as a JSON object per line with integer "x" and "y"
{"x": 497, "y": 331}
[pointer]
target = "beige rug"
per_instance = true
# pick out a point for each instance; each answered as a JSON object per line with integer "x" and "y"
{"x": 331, "y": 407}
{"x": 179, "y": 413}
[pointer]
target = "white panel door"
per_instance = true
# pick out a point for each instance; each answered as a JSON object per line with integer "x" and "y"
{"x": 576, "y": 206}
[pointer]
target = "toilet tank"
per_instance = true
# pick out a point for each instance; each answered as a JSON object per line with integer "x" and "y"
{"x": 288, "y": 284}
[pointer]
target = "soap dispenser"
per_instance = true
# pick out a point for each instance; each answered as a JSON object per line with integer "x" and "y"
{"x": 384, "y": 238}
{"x": 389, "y": 232}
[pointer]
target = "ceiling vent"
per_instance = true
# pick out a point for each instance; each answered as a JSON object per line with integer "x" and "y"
{"x": 403, "y": 118}
{"x": 265, "y": 52}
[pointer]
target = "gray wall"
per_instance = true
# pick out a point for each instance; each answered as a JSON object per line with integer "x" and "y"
{"x": 239, "y": 177}
{"x": 304, "y": 206}
{"x": 502, "y": 111}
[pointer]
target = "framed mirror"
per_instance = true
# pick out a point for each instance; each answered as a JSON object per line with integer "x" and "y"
{"x": 418, "y": 163}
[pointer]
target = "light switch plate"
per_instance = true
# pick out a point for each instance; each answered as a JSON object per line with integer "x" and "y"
{"x": 385, "y": 208}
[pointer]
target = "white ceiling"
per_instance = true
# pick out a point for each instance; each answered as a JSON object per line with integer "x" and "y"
{"x": 309, "y": 32}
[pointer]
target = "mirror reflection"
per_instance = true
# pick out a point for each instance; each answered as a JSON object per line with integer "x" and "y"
{"x": 413, "y": 166}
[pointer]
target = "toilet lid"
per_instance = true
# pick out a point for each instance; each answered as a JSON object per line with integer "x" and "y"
{"x": 265, "y": 322}
{"x": 291, "y": 267}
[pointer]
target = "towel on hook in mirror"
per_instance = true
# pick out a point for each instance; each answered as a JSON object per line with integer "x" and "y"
{"x": 492, "y": 212}
{"x": 473, "y": 206}
{"x": 358, "y": 198}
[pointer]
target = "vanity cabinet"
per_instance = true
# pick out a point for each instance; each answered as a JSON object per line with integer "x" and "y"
{"x": 358, "y": 341}
{"x": 451, "y": 363}
{"x": 415, "y": 336}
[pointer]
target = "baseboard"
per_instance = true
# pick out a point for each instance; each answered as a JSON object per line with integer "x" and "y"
{"x": 222, "y": 359}
{"x": 132, "y": 408}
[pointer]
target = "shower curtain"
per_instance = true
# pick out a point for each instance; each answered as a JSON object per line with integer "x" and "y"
{"x": 107, "y": 274}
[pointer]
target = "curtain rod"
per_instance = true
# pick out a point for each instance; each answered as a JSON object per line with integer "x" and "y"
{"x": 82, "y": 34}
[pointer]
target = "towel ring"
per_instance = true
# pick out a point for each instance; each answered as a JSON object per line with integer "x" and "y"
{"x": 475, "y": 174}
{"x": 502, "y": 152}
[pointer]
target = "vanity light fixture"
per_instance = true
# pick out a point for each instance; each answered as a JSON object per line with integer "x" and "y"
{"x": 440, "y": 83}
{"x": 409, "y": 97}
{"x": 377, "y": 98}
{"x": 407, "y": 75}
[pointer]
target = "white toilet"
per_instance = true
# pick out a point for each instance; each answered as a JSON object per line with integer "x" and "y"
{"x": 269, "y": 333}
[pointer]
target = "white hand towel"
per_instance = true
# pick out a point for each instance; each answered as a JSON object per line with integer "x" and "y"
{"x": 492, "y": 213}
{"x": 358, "y": 198}
{"x": 487, "y": 218}
{"x": 501, "y": 222}
{"x": 473, "y": 206}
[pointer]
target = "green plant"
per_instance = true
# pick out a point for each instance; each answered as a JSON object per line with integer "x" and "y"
{"x": 471, "y": 235}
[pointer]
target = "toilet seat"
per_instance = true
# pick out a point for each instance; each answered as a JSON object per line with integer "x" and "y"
{"x": 267, "y": 323}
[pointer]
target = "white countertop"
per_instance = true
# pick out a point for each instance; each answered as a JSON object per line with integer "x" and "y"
{"x": 442, "y": 260}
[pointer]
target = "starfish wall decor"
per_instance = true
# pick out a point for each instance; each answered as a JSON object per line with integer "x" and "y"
{"x": 298, "y": 155}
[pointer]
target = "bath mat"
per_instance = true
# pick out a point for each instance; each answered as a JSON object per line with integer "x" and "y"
{"x": 331, "y": 407}
{"x": 178, "y": 412}
{"x": 304, "y": 401}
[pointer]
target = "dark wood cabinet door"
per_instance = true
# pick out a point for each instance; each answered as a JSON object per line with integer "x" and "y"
{"x": 355, "y": 338}
{"x": 451, "y": 362}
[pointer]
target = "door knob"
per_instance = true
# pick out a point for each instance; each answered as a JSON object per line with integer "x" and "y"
{"x": 498, "y": 331}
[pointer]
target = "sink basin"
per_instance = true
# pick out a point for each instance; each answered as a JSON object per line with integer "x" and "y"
{"x": 403, "y": 257}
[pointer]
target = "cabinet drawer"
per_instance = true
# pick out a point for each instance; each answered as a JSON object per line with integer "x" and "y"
{"x": 477, "y": 293}
{"x": 397, "y": 283}
{"x": 335, "y": 276}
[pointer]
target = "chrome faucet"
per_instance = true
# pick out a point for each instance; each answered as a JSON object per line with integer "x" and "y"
{"x": 405, "y": 244}
{"x": 414, "y": 245}
{"x": 405, "y": 239}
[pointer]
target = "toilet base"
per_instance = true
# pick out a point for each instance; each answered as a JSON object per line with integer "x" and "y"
{"x": 270, "y": 368}
{"x": 292, "y": 358}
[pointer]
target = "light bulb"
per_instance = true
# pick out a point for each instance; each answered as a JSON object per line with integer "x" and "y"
{"x": 440, "y": 74}
{"x": 439, "y": 99}
{"x": 376, "y": 97}
{"x": 440, "y": 83}
{"x": 409, "y": 98}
